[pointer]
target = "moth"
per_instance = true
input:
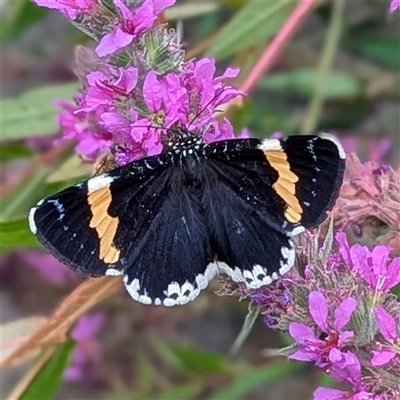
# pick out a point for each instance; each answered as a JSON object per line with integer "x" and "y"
{"x": 172, "y": 222}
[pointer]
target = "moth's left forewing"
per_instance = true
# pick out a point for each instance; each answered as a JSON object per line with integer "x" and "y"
{"x": 86, "y": 226}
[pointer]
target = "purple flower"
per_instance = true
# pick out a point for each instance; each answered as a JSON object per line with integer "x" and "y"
{"x": 161, "y": 110}
{"x": 87, "y": 352}
{"x": 318, "y": 347}
{"x": 373, "y": 266}
{"x": 104, "y": 92}
{"x": 82, "y": 127}
{"x": 204, "y": 93}
{"x": 344, "y": 367}
{"x": 324, "y": 393}
{"x": 394, "y": 6}
{"x": 388, "y": 329}
{"x": 130, "y": 24}
{"x": 69, "y": 8}
{"x": 50, "y": 269}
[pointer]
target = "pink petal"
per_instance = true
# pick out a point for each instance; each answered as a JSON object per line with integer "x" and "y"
{"x": 318, "y": 308}
{"x": 152, "y": 92}
{"x": 344, "y": 312}
{"x": 381, "y": 357}
{"x": 365, "y": 396}
{"x": 127, "y": 79}
{"x": 301, "y": 333}
{"x": 230, "y": 73}
{"x": 386, "y": 323}
{"x": 302, "y": 355}
{"x": 380, "y": 257}
{"x": 394, "y": 5}
{"x": 113, "y": 41}
{"x": 392, "y": 277}
{"x": 205, "y": 69}
{"x": 155, "y": 149}
{"x": 344, "y": 248}
{"x": 345, "y": 367}
{"x": 94, "y": 77}
{"x": 359, "y": 254}
{"x": 244, "y": 133}
{"x": 125, "y": 11}
{"x": 324, "y": 393}
{"x": 344, "y": 337}
{"x": 144, "y": 17}
{"x": 336, "y": 356}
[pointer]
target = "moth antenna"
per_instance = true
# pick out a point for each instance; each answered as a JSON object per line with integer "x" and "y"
{"x": 205, "y": 107}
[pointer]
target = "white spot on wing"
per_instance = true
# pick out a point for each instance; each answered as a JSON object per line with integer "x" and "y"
{"x": 270, "y": 145}
{"x": 258, "y": 276}
{"x": 296, "y": 231}
{"x": 181, "y": 294}
{"x": 341, "y": 151}
{"x": 99, "y": 182}
{"x": 113, "y": 272}
{"x": 31, "y": 218}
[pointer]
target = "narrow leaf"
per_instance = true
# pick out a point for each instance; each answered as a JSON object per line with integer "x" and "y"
{"x": 33, "y": 113}
{"x": 16, "y": 234}
{"x": 384, "y": 51}
{"x": 12, "y": 151}
{"x": 199, "y": 361}
{"x": 17, "y": 203}
{"x": 256, "y": 21}
{"x": 248, "y": 324}
{"x": 47, "y": 381}
{"x": 249, "y": 381}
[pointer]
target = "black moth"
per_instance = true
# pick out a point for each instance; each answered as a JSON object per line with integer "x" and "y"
{"x": 170, "y": 223}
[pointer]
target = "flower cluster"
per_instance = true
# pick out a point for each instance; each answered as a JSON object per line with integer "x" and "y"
{"x": 136, "y": 85}
{"x": 369, "y": 203}
{"x": 341, "y": 315}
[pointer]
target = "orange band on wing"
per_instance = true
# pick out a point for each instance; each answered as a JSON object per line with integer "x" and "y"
{"x": 285, "y": 186}
{"x": 105, "y": 225}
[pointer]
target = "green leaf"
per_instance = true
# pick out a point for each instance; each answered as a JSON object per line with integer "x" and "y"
{"x": 18, "y": 17}
{"x": 327, "y": 381}
{"x": 248, "y": 324}
{"x": 33, "y": 113}
{"x": 12, "y": 151}
{"x": 339, "y": 85}
{"x": 199, "y": 361}
{"x": 188, "y": 360}
{"x": 251, "y": 380}
{"x": 48, "y": 380}
{"x": 16, "y": 234}
{"x": 384, "y": 51}
{"x": 256, "y": 21}
{"x": 27, "y": 193}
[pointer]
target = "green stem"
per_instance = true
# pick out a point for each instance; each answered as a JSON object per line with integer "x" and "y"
{"x": 324, "y": 67}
